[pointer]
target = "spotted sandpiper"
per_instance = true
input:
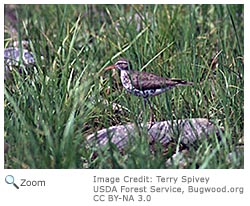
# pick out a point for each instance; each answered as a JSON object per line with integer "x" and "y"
{"x": 142, "y": 83}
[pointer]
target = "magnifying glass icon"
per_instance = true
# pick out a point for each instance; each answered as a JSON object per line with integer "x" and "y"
{"x": 9, "y": 179}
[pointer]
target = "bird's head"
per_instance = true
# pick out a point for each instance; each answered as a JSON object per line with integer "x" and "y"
{"x": 121, "y": 64}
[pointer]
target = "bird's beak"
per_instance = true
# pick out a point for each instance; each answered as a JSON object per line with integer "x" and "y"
{"x": 110, "y": 67}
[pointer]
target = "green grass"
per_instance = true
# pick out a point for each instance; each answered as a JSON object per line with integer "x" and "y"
{"x": 67, "y": 96}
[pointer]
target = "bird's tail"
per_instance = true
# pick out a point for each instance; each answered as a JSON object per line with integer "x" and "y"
{"x": 180, "y": 82}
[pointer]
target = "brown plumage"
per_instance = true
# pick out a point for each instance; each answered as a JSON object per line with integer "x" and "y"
{"x": 145, "y": 81}
{"x": 142, "y": 81}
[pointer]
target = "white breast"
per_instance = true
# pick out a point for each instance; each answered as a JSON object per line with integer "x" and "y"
{"x": 126, "y": 82}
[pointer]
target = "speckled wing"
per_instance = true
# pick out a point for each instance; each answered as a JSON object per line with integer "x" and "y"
{"x": 145, "y": 81}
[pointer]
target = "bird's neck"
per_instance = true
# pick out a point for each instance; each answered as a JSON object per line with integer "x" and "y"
{"x": 124, "y": 73}
{"x": 126, "y": 79}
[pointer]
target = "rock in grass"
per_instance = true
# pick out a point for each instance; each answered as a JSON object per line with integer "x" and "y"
{"x": 165, "y": 132}
{"x": 12, "y": 60}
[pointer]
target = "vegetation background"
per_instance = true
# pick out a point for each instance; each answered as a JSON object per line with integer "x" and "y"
{"x": 51, "y": 108}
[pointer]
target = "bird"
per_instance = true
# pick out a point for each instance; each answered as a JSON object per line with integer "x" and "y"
{"x": 144, "y": 84}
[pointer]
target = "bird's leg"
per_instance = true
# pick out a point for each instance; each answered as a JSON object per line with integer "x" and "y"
{"x": 145, "y": 103}
{"x": 144, "y": 109}
{"x": 151, "y": 119}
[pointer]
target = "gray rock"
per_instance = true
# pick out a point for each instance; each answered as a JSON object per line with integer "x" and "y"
{"x": 188, "y": 130}
{"x": 12, "y": 60}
